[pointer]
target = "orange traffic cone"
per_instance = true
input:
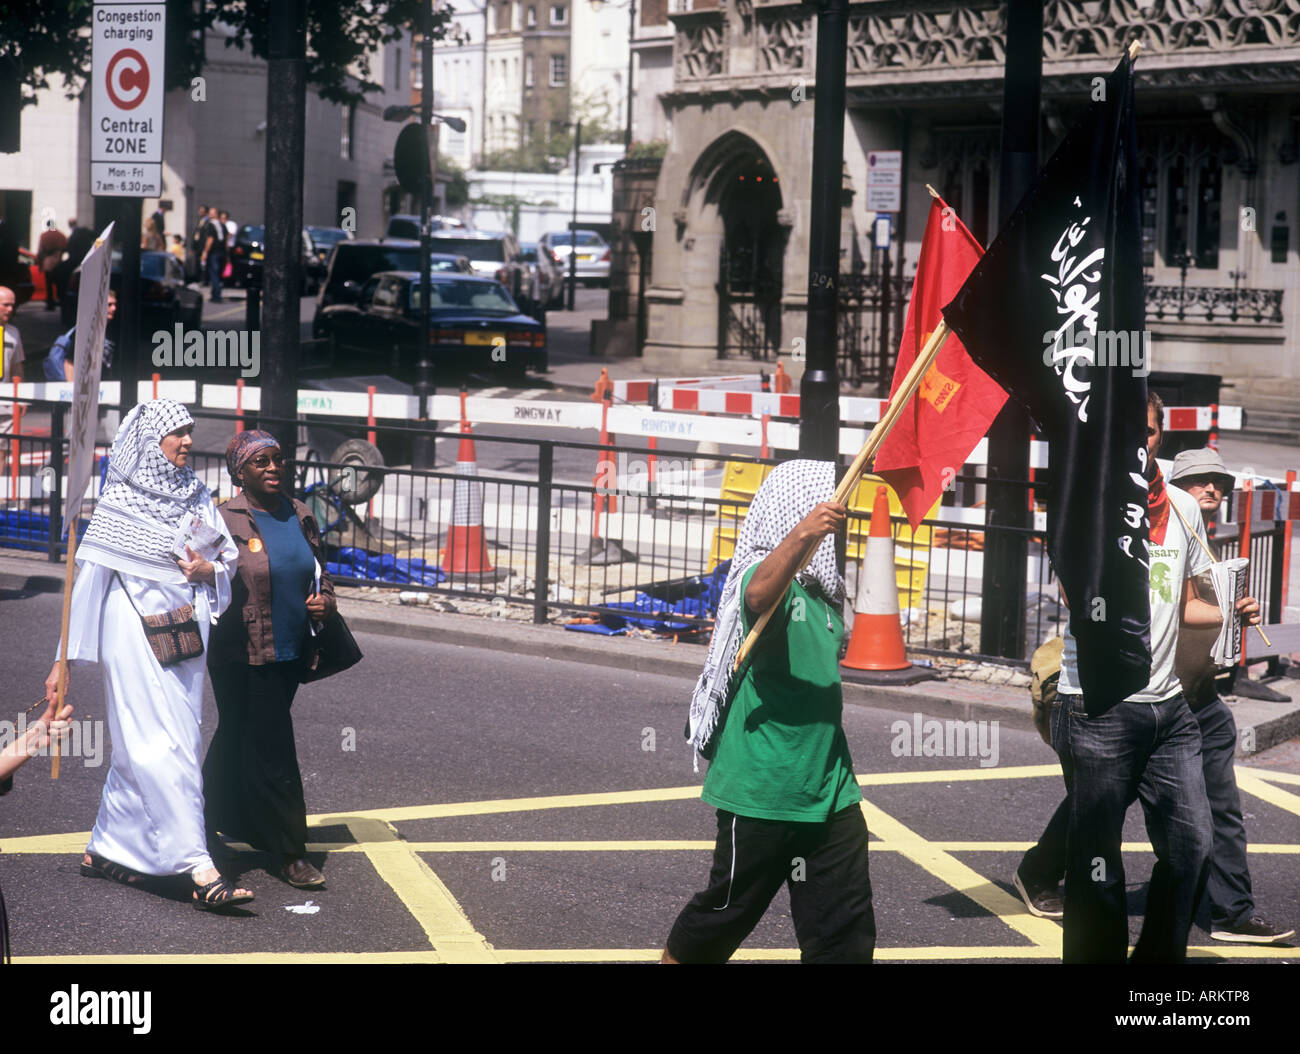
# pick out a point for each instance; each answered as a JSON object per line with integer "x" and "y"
{"x": 466, "y": 551}
{"x": 781, "y": 383}
{"x": 877, "y": 641}
{"x": 603, "y": 385}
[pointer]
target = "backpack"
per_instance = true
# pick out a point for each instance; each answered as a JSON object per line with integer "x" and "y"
{"x": 1045, "y": 672}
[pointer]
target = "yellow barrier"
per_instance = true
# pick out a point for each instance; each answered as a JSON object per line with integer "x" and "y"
{"x": 740, "y": 482}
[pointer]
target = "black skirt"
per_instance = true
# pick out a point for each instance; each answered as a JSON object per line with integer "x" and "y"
{"x": 252, "y": 788}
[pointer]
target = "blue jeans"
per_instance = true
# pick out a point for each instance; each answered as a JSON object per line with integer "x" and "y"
{"x": 216, "y": 264}
{"x": 1228, "y": 888}
{"x": 1149, "y": 751}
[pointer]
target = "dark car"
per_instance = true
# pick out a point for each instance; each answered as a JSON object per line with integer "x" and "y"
{"x": 353, "y": 263}
{"x": 471, "y": 318}
{"x": 165, "y": 299}
{"x": 248, "y": 257}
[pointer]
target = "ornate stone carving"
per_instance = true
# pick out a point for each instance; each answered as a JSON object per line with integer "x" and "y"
{"x": 1213, "y": 304}
{"x": 699, "y": 48}
{"x": 783, "y": 43}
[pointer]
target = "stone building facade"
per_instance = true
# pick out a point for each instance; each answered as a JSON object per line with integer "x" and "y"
{"x": 1219, "y": 134}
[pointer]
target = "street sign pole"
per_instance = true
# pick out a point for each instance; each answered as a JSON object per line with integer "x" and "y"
{"x": 819, "y": 389}
{"x": 422, "y": 446}
{"x": 128, "y": 80}
{"x": 1002, "y": 627}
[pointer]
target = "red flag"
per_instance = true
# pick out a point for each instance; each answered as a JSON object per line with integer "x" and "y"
{"x": 957, "y": 401}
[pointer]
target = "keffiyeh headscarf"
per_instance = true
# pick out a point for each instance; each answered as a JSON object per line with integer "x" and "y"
{"x": 140, "y": 508}
{"x": 787, "y": 495}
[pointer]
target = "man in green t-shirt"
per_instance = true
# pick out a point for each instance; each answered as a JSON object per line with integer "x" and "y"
{"x": 781, "y": 776}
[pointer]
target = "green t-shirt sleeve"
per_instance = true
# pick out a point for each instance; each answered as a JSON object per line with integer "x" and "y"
{"x": 749, "y": 618}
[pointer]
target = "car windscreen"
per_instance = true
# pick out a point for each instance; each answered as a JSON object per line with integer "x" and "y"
{"x": 326, "y": 237}
{"x": 252, "y": 232}
{"x": 465, "y": 296}
{"x": 474, "y": 248}
{"x": 584, "y": 238}
{"x": 400, "y": 228}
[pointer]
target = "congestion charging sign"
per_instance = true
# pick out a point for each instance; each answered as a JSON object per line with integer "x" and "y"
{"x": 127, "y": 78}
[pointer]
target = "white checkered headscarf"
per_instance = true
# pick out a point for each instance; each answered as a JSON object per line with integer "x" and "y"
{"x": 789, "y": 494}
{"x": 139, "y": 511}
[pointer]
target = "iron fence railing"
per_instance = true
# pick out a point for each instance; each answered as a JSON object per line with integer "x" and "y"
{"x": 531, "y": 532}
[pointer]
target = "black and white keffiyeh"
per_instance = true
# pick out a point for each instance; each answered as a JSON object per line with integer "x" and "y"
{"x": 140, "y": 508}
{"x": 789, "y": 493}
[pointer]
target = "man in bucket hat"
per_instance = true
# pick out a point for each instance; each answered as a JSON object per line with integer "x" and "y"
{"x": 1232, "y": 905}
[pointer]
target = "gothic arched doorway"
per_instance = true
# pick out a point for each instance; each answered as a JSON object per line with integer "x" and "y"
{"x": 751, "y": 257}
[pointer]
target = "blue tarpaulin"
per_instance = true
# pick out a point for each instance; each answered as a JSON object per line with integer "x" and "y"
{"x": 384, "y": 567}
{"x": 650, "y": 611}
{"x": 24, "y": 529}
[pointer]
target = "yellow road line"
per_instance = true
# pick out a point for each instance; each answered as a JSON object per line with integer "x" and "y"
{"x": 483, "y": 808}
{"x": 448, "y": 928}
{"x": 1008, "y": 772}
{"x": 1270, "y": 775}
{"x": 964, "y": 879}
{"x": 1252, "y": 784}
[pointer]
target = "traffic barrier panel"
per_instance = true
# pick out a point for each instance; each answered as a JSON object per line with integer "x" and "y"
{"x": 740, "y": 482}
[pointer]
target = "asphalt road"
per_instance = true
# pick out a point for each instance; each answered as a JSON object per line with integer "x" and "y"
{"x": 498, "y": 807}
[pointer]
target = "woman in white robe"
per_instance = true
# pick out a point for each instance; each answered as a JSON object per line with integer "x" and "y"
{"x": 150, "y": 818}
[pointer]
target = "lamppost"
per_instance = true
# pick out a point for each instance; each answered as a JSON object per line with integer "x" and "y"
{"x": 422, "y": 453}
{"x": 573, "y": 225}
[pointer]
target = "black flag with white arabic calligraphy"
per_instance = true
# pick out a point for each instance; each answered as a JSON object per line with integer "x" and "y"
{"x": 1054, "y": 312}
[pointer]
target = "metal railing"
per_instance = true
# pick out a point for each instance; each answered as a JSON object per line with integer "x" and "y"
{"x": 547, "y": 551}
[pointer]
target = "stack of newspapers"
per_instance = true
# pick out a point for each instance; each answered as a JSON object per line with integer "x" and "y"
{"x": 1229, "y": 577}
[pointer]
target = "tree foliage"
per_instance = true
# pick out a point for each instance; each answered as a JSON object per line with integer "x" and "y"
{"x": 49, "y": 38}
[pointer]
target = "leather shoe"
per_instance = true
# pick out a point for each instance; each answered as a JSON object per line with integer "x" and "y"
{"x": 301, "y": 874}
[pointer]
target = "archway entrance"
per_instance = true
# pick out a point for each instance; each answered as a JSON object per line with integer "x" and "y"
{"x": 746, "y": 192}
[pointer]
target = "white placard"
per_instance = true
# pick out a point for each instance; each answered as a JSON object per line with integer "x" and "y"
{"x": 884, "y": 180}
{"x": 127, "y": 87}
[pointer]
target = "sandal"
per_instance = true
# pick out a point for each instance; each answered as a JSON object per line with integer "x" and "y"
{"x": 94, "y": 866}
{"x": 218, "y": 895}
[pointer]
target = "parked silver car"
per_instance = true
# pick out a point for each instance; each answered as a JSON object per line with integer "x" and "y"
{"x": 546, "y": 280}
{"x": 593, "y": 255}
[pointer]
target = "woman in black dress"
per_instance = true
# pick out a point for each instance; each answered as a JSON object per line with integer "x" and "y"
{"x": 258, "y": 653}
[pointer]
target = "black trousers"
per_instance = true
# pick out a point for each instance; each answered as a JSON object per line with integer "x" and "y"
{"x": 823, "y": 864}
{"x": 252, "y": 789}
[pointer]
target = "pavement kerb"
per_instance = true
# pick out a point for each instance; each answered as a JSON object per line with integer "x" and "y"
{"x": 947, "y": 699}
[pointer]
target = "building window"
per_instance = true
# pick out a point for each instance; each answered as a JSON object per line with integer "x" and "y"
{"x": 397, "y": 69}
{"x": 528, "y": 71}
{"x": 347, "y": 132}
{"x": 1192, "y": 172}
{"x": 559, "y": 14}
{"x": 514, "y": 73}
{"x": 503, "y": 23}
{"x": 559, "y": 71}
{"x": 532, "y": 18}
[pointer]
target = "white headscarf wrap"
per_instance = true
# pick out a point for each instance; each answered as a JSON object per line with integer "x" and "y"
{"x": 140, "y": 508}
{"x": 790, "y": 493}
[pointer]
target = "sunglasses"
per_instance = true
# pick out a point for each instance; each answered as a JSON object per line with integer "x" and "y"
{"x": 266, "y": 460}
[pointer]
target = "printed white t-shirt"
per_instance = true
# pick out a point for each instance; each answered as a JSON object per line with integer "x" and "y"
{"x": 1174, "y": 561}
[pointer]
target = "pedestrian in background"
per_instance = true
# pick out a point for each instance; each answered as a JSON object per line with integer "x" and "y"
{"x": 1233, "y": 918}
{"x": 13, "y": 358}
{"x": 151, "y": 240}
{"x": 194, "y": 271}
{"x": 49, "y": 254}
{"x": 214, "y": 255}
{"x": 265, "y": 639}
{"x": 150, "y": 818}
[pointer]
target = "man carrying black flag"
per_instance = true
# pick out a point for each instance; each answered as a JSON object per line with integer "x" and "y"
{"x": 1073, "y": 352}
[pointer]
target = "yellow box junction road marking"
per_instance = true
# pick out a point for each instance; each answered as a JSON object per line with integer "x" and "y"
{"x": 453, "y": 937}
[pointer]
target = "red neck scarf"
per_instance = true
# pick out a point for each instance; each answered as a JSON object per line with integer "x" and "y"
{"x": 1157, "y": 506}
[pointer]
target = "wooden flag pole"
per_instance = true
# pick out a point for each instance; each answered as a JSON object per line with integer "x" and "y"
{"x": 897, "y": 403}
{"x": 68, "y": 574}
{"x": 1214, "y": 559}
